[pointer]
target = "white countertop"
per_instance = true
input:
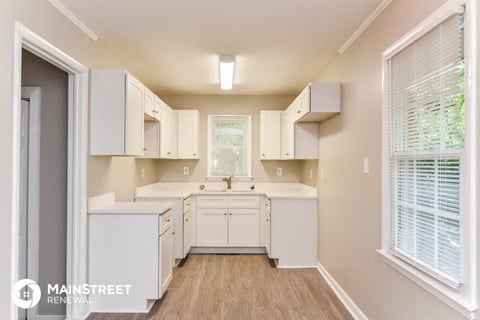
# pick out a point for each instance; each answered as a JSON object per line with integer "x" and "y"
{"x": 105, "y": 204}
{"x": 184, "y": 190}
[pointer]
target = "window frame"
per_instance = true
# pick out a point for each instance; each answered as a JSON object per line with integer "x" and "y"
{"x": 463, "y": 300}
{"x": 210, "y": 120}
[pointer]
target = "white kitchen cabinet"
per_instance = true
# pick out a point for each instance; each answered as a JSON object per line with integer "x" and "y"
{"x": 187, "y": 134}
{"x": 116, "y": 113}
{"x": 287, "y": 135}
{"x": 270, "y": 132}
{"x": 319, "y": 101}
{"x": 168, "y": 124}
{"x": 294, "y": 232}
{"x": 265, "y": 224}
{"x": 150, "y": 107}
{"x": 182, "y": 209}
{"x": 299, "y": 140}
{"x": 228, "y": 221}
{"x": 134, "y": 247}
{"x": 212, "y": 227}
{"x": 243, "y": 227}
{"x": 152, "y": 139}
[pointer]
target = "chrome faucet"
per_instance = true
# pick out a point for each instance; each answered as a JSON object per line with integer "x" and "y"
{"x": 229, "y": 182}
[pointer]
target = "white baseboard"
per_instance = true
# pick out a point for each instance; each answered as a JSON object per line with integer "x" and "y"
{"x": 226, "y": 250}
{"x": 354, "y": 310}
{"x": 50, "y": 317}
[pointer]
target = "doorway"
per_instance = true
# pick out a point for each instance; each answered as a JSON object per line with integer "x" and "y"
{"x": 44, "y": 178}
{"x": 63, "y": 198}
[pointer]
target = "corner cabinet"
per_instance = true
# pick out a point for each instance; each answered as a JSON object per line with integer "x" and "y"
{"x": 293, "y": 133}
{"x": 116, "y": 113}
{"x": 187, "y": 134}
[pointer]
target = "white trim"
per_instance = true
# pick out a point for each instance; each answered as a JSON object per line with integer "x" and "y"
{"x": 50, "y": 317}
{"x": 450, "y": 8}
{"x": 457, "y": 302}
{"x": 349, "y": 304}
{"x": 73, "y": 18}
{"x": 227, "y": 250}
{"x": 78, "y": 108}
{"x": 365, "y": 24}
{"x": 465, "y": 299}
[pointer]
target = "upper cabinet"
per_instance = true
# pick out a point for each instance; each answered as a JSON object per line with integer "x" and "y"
{"x": 169, "y": 125}
{"x": 319, "y": 101}
{"x": 187, "y": 134}
{"x": 293, "y": 133}
{"x": 270, "y": 134}
{"x": 151, "y": 110}
{"x": 117, "y": 113}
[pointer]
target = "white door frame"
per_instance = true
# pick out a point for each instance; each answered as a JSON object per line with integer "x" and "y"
{"x": 77, "y": 158}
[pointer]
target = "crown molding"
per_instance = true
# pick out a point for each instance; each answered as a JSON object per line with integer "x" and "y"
{"x": 70, "y": 16}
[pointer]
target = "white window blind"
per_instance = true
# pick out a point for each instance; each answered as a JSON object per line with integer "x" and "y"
{"x": 425, "y": 95}
{"x": 229, "y": 146}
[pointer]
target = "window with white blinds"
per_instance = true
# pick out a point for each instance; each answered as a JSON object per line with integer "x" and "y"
{"x": 229, "y": 146}
{"x": 426, "y": 134}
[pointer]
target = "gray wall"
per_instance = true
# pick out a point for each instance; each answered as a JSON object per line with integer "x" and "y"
{"x": 53, "y": 172}
{"x": 350, "y": 201}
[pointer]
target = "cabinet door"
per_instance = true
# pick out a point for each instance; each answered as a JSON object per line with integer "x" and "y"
{"x": 166, "y": 259}
{"x": 287, "y": 136}
{"x": 270, "y": 135}
{"x": 152, "y": 139}
{"x": 212, "y": 227}
{"x": 134, "y": 117}
{"x": 243, "y": 228}
{"x": 149, "y": 103}
{"x": 165, "y": 129}
{"x": 187, "y": 233}
{"x": 187, "y": 134}
{"x": 172, "y": 151}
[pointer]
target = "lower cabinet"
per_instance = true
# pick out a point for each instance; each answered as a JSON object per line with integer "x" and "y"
{"x": 212, "y": 227}
{"x": 229, "y": 222}
{"x": 134, "y": 250}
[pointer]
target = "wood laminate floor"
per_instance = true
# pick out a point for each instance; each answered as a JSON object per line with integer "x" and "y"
{"x": 241, "y": 287}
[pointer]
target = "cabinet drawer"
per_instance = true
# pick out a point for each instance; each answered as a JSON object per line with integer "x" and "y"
{"x": 166, "y": 221}
{"x": 187, "y": 203}
{"x": 212, "y": 202}
{"x": 244, "y": 202}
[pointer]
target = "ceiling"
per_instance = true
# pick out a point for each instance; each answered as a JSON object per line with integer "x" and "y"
{"x": 173, "y": 45}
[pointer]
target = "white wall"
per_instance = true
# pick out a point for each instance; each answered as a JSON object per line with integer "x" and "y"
{"x": 350, "y": 201}
{"x": 46, "y": 21}
{"x": 263, "y": 171}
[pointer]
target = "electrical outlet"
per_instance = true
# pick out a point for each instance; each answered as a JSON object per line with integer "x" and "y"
{"x": 311, "y": 173}
{"x": 186, "y": 171}
{"x": 142, "y": 173}
{"x": 322, "y": 173}
{"x": 279, "y": 171}
{"x": 366, "y": 167}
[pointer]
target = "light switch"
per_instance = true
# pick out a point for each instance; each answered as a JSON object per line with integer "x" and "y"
{"x": 365, "y": 166}
{"x": 142, "y": 173}
{"x": 186, "y": 171}
{"x": 322, "y": 173}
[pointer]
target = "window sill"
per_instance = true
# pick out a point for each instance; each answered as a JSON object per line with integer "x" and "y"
{"x": 449, "y": 296}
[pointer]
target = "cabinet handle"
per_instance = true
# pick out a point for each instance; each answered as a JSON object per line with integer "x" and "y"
{"x": 268, "y": 220}
{"x": 230, "y": 213}
{"x": 144, "y": 149}
{"x": 194, "y": 154}
{"x": 186, "y": 220}
{"x": 168, "y": 220}
{"x": 225, "y": 214}
{"x": 168, "y": 152}
{"x": 263, "y": 155}
{"x": 286, "y": 154}
{"x": 299, "y": 111}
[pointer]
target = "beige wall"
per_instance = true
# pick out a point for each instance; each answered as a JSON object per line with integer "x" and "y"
{"x": 263, "y": 171}
{"x": 47, "y": 22}
{"x": 350, "y": 201}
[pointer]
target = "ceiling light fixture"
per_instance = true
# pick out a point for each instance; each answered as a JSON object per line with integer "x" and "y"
{"x": 227, "y": 68}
